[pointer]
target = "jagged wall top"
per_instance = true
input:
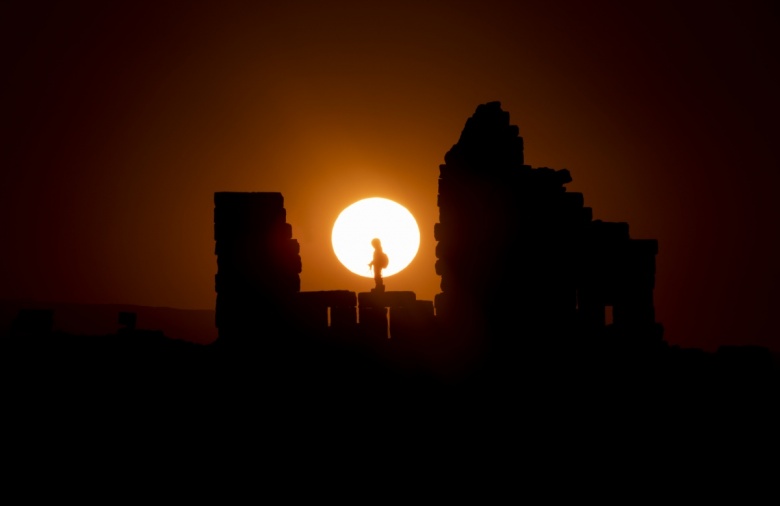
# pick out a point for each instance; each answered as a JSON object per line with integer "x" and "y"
{"x": 490, "y": 146}
{"x": 488, "y": 142}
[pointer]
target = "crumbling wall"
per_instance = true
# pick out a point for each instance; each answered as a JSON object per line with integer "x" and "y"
{"x": 521, "y": 259}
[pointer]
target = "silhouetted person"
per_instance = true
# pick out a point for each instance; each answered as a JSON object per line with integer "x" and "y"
{"x": 378, "y": 263}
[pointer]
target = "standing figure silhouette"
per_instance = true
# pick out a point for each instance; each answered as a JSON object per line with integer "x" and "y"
{"x": 378, "y": 263}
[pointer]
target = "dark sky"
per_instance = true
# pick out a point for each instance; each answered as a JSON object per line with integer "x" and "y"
{"x": 121, "y": 119}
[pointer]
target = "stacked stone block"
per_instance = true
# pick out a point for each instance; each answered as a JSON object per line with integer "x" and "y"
{"x": 258, "y": 266}
{"x": 373, "y": 313}
{"x": 334, "y": 309}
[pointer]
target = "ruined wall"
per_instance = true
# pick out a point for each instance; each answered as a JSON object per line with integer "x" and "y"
{"x": 519, "y": 256}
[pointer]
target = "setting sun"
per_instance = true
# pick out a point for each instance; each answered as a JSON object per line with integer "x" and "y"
{"x": 371, "y": 218}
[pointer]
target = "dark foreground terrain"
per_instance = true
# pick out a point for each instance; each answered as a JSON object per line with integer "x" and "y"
{"x": 301, "y": 377}
{"x": 305, "y": 408}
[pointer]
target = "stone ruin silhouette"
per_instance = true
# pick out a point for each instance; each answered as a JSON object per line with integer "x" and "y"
{"x": 523, "y": 265}
{"x": 515, "y": 349}
{"x": 527, "y": 280}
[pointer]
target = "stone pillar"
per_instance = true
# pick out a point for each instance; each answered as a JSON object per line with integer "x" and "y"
{"x": 258, "y": 267}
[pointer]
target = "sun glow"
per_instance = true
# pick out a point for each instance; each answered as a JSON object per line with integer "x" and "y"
{"x": 376, "y": 217}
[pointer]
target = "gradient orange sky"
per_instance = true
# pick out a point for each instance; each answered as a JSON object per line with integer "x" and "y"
{"x": 121, "y": 119}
